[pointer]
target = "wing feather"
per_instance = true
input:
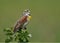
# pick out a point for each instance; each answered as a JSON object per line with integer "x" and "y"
{"x": 20, "y": 23}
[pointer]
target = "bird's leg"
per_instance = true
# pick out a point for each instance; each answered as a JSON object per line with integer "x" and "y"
{"x": 25, "y": 28}
{"x": 19, "y": 30}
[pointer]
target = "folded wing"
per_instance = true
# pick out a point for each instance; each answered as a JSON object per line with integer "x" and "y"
{"x": 20, "y": 23}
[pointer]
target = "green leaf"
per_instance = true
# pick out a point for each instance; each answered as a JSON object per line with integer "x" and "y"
{"x": 20, "y": 36}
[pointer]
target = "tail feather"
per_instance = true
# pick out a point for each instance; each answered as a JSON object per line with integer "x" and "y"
{"x": 15, "y": 30}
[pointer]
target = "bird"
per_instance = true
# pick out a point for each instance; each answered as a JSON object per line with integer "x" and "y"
{"x": 23, "y": 21}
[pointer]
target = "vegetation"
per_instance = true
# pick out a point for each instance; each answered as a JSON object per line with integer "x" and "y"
{"x": 19, "y": 36}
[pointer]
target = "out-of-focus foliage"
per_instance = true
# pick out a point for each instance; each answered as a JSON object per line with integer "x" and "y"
{"x": 19, "y": 36}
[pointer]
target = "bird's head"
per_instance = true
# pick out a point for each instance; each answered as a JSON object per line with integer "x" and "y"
{"x": 27, "y": 13}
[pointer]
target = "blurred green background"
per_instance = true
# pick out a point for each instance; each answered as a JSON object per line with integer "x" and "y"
{"x": 45, "y": 22}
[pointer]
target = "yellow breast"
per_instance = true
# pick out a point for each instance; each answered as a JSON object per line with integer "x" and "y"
{"x": 29, "y": 17}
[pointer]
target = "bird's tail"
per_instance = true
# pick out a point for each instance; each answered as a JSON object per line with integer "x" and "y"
{"x": 17, "y": 29}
